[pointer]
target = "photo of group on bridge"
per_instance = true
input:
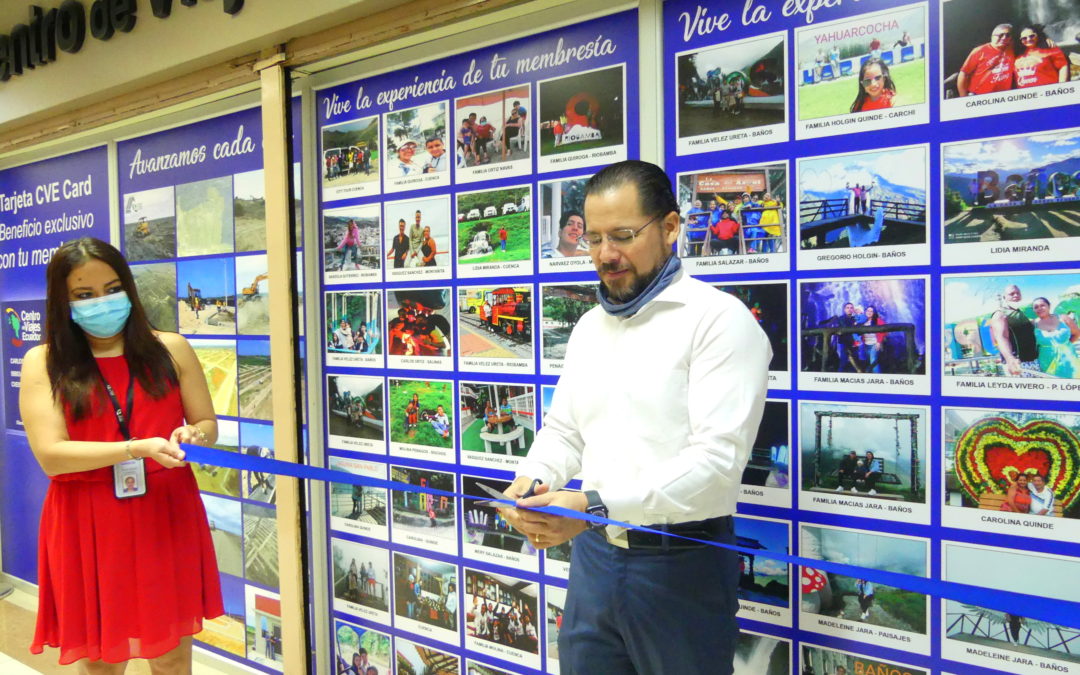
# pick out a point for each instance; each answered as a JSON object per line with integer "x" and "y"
{"x": 863, "y": 329}
{"x": 871, "y": 199}
{"x": 1014, "y": 199}
{"x": 740, "y": 211}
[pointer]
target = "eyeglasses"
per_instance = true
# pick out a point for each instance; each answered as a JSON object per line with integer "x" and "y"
{"x": 623, "y": 236}
{"x": 871, "y": 80}
{"x": 1028, "y": 38}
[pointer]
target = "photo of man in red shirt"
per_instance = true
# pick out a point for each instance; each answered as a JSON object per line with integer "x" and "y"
{"x": 989, "y": 67}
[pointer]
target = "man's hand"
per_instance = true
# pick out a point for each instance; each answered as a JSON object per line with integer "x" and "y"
{"x": 545, "y": 530}
{"x": 513, "y": 493}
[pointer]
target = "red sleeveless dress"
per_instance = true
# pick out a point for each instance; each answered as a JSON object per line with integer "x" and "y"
{"x": 124, "y": 578}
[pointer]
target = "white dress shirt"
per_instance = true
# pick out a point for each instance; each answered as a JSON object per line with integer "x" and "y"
{"x": 658, "y": 411}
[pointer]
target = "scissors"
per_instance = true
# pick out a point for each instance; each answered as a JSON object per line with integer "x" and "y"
{"x": 497, "y": 494}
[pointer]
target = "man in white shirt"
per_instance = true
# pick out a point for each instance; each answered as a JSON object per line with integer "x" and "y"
{"x": 660, "y": 399}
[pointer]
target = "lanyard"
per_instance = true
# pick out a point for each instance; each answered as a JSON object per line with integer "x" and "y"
{"x": 121, "y": 418}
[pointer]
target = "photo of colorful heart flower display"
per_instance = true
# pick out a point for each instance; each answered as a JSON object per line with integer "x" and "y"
{"x": 994, "y": 450}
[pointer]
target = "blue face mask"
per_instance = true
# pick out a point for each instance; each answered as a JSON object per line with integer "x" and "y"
{"x": 102, "y": 317}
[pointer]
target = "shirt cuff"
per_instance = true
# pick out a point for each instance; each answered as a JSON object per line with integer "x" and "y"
{"x": 623, "y": 505}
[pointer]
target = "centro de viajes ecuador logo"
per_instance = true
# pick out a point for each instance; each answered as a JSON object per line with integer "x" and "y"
{"x": 11, "y": 318}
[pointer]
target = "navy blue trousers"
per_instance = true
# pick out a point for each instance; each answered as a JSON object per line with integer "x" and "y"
{"x": 649, "y": 612}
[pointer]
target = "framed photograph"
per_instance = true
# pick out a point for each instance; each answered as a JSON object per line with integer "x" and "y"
{"x": 865, "y": 460}
{"x": 764, "y": 584}
{"x": 857, "y": 609}
{"x": 864, "y": 208}
{"x": 350, "y": 159}
{"x": 827, "y": 661}
{"x": 419, "y": 152}
{"x": 426, "y": 600}
{"x": 582, "y": 119}
{"x": 1001, "y": 56}
{"x": 358, "y": 509}
{"x": 990, "y": 638}
{"x": 502, "y": 617}
{"x": 360, "y": 648}
{"x": 361, "y": 579}
{"x": 1014, "y": 199}
{"x": 421, "y": 415}
{"x": 732, "y": 95}
{"x": 863, "y": 73}
{"x": 486, "y": 536}
{"x": 496, "y": 328}
{"x": 561, "y": 225}
{"x": 1008, "y": 471}
{"x": 421, "y": 519}
{"x": 766, "y": 478}
{"x": 1011, "y": 334}
{"x": 494, "y": 134}
{"x": 735, "y": 219}
{"x": 494, "y": 232}
{"x": 353, "y": 250}
{"x": 497, "y": 422}
{"x": 416, "y": 238}
{"x": 418, "y": 328}
{"x": 561, "y": 307}
{"x": 355, "y": 417}
{"x": 861, "y": 333}
{"x": 353, "y": 328}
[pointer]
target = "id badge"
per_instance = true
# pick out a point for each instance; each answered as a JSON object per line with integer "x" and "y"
{"x": 129, "y": 478}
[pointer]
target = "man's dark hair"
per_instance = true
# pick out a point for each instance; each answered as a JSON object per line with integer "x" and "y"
{"x": 655, "y": 196}
{"x": 566, "y": 215}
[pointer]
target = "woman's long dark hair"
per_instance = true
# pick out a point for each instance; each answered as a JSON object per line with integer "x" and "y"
{"x": 1041, "y": 40}
{"x": 75, "y": 379}
{"x": 887, "y": 80}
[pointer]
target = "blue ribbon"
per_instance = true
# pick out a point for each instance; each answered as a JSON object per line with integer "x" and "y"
{"x": 1050, "y": 610}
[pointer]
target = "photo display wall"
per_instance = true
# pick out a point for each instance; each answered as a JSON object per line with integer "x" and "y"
{"x": 193, "y": 226}
{"x": 891, "y": 187}
{"x": 42, "y": 204}
{"x": 451, "y": 197}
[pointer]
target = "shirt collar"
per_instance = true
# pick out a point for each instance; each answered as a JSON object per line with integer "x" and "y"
{"x": 677, "y": 293}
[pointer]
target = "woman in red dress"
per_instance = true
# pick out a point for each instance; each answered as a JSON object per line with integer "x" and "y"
{"x": 1037, "y": 63}
{"x": 124, "y": 571}
{"x": 876, "y": 87}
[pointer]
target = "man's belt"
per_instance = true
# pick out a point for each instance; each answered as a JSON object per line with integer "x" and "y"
{"x": 708, "y": 530}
